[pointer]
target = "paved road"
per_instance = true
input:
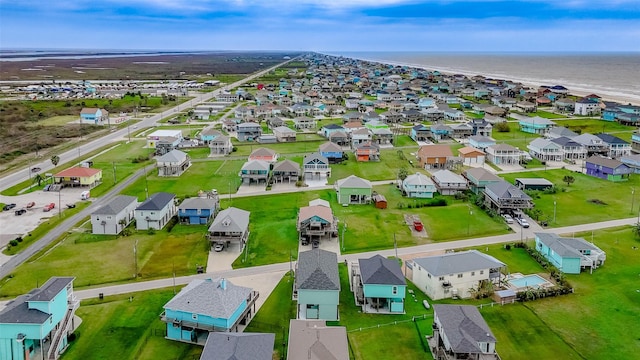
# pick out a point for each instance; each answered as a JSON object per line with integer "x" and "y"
{"x": 165, "y": 283}
{"x": 24, "y": 174}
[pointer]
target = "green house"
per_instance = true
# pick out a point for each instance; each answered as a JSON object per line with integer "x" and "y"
{"x": 379, "y": 285}
{"x": 317, "y": 285}
{"x": 479, "y": 178}
{"x": 353, "y": 190}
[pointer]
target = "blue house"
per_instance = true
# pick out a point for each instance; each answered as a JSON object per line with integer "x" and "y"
{"x": 481, "y": 142}
{"x": 610, "y": 114}
{"x": 317, "y": 285}
{"x": 426, "y": 103}
{"x": 418, "y": 186}
{"x": 93, "y": 116}
{"x": 329, "y": 129}
{"x": 198, "y": 211}
{"x": 36, "y": 325}
{"x": 536, "y": 125}
{"x": 569, "y": 255}
{"x": 207, "y": 305}
{"x": 380, "y": 286}
{"x": 332, "y": 151}
{"x": 608, "y": 169}
{"x": 420, "y": 132}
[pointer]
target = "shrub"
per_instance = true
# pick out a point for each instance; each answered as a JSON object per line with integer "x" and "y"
{"x": 172, "y": 222}
{"x": 507, "y": 247}
{"x": 19, "y": 238}
{"x": 151, "y": 231}
{"x": 502, "y": 127}
{"x": 13, "y": 242}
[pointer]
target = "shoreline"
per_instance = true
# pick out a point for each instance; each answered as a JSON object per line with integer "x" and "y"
{"x": 577, "y": 91}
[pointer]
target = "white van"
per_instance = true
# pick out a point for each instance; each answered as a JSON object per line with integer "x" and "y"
{"x": 85, "y": 195}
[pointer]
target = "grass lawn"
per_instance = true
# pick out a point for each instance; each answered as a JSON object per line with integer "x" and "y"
{"x": 273, "y": 224}
{"x": 572, "y": 205}
{"x": 198, "y": 153}
{"x": 514, "y": 137}
{"x": 385, "y": 169}
{"x": 102, "y": 259}
{"x": 548, "y": 115}
{"x": 298, "y": 147}
{"x": 405, "y": 140}
{"x": 57, "y": 120}
{"x": 203, "y": 175}
{"x": 115, "y": 328}
{"x": 275, "y": 313}
{"x": 594, "y": 126}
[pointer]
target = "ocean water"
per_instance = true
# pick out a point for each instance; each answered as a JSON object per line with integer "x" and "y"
{"x": 610, "y": 75}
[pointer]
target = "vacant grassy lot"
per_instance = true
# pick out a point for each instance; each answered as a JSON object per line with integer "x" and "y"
{"x": 514, "y": 137}
{"x": 274, "y": 236}
{"x": 573, "y": 205}
{"x": 116, "y": 328}
{"x": 387, "y": 168}
{"x": 298, "y": 147}
{"x": 204, "y": 175}
{"x": 102, "y": 259}
{"x": 594, "y": 126}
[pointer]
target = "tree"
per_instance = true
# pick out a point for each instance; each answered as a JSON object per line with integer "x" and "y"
{"x": 38, "y": 178}
{"x": 636, "y": 229}
{"x": 568, "y": 179}
{"x": 403, "y": 173}
{"x": 502, "y": 127}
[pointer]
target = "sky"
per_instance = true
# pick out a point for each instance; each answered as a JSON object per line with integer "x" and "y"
{"x": 323, "y": 25}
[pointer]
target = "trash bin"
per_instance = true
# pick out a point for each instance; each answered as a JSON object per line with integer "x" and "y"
{"x": 101, "y": 296}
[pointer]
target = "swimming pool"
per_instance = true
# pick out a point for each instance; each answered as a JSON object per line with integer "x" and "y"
{"x": 533, "y": 280}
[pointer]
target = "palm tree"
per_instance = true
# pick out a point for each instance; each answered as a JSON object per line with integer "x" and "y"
{"x": 55, "y": 159}
{"x": 38, "y": 178}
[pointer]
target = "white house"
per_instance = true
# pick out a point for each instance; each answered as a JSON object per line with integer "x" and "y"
{"x": 173, "y": 163}
{"x": 155, "y": 212}
{"x": 108, "y": 220}
{"x": 545, "y": 150}
{"x": 172, "y": 136}
{"x": 452, "y": 275}
{"x": 587, "y": 107}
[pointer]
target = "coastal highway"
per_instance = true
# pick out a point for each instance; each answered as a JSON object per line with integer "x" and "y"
{"x": 24, "y": 174}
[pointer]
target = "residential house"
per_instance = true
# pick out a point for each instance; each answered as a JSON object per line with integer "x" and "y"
{"x": 316, "y": 167}
{"x": 462, "y": 131}
{"x": 248, "y": 131}
{"x": 173, "y": 163}
{"x": 314, "y": 340}
{"x": 208, "y": 305}
{"x": 383, "y": 136}
{"x": 587, "y": 107}
{"x": 448, "y": 182}
{"x": 479, "y": 178}
{"x": 504, "y": 198}
{"x": 441, "y": 131}
{"x": 367, "y": 151}
{"x": 460, "y": 332}
{"x": 333, "y": 152}
{"x": 454, "y": 275}
{"x": 545, "y": 150}
{"x": 316, "y": 222}
{"x": 434, "y": 156}
{"x": 94, "y": 116}
{"x": 608, "y": 169}
{"x": 264, "y": 154}
{"x": 564, "y": 105}
{"x": 286, "y": 170}
{"x": 535, "y": 125}
{"x": 471, "y": 156}
{"x": 418, "y": 185}
{"x": 155, "y": 212}
{"x": 379, "y": 285}
{"x": 526, "y": 106}
{"x": 360, "y": 136}
{"x": 284, "y": 134}
{"x": 571, "y": 150}
{"x": 503, "y": 154}
{"x": 353, "y": 190}
{"x": 635, "y": 142}
{"x": 255, "y": 171}
{"x": 481, "y": 127}
{"x": 592, "y": 144}
{"x": 569, "y": 255}
{"x": 221, "y": 145}
{"x": 329, "y": 129}
{"x": 617, "y": 146}
{"x": 208, "y": 134}
{"x": 37, "y": 325}
{"x": 238, "y": 346}
{"x": 339, "y": 138}
{"x": 113, "y": 217}
{"x": 481, "y": 142}
{"x": 317, "y": 285}
{"x": 164, "y": 140}
{"x": 79, "y": 176}
{"x": 230, "y": 225}
{"x": 197, "y": 210}
{"x": 560, "y": 131}
{"x": 632, "y": 161}
{"x": 304, "y": 122}
{"x": 420, "y": 133}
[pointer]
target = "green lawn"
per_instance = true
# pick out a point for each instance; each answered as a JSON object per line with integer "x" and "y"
{"x": 385, "y": 169}
{"x": 103, "y": 259}
{"x": 198, "y": 153}
{"x": 405, "y": 140}
{"x": 594, "y": 126}
{"x": 547, "y": 114}
{"x": 514, "y": 137}
{"x": 275, "y": 313}
{"x": 203, "y": 175}
{"x": 298, "y": 147}
{"x": 572, "y": 205}
{"x": 115, "y": 328}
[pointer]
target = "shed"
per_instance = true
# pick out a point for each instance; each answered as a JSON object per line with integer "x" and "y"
{"x": 504, "y": 296}
{"x": 533, "y": 183}
{"x": 380, "y": 201}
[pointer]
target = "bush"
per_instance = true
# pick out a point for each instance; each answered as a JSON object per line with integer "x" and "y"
{"x": 151, "y": 231}
{"x": 507, "y": 247}
{"x": 502, "y": 127}
{"x": 172, "y": 222}
{"x": 19, "y": 238}
{"x": 13, "y": 242}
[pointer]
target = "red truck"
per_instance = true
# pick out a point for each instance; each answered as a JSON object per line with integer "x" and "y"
{"x": 418, "y": 225}
{"x": 48, "y": 207}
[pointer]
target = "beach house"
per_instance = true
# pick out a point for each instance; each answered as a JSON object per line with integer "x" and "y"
{"x": 317, "y": 285}
{"x": 479, "y": 178}
{"x": 155, "y": 212}
{"x": 113, "y": 217}
{"x": 173, "y": 163}
{"x": 198, "y": 210}
{"x": 608, "y": 169}
{"x": 569, "y": 255}
{"x": 379, "y": 285}
{"x": 230, "y": 225}
{"x": 313, "y": 339}
{"x": 418, "y": 185}
{"x": 460, "y": 332}
{"x": 353, "y": 190}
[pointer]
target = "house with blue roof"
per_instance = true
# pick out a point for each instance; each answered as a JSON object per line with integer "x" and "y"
{"x": 617, "y": 146}
{"x": 37, "y": 325}
{"x": 208, "y": 305}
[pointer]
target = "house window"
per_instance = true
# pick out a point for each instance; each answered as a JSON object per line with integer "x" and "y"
{"x": 394, "y": 290}
{"x": 429, "y": 276}
{"x": 441, "y": 278}
{"x": 481, "y": 272}
{"x": 459, "y": 276}
{"x": 473, "y": 273}
{"x": 194, "y": 316}
{"x": 108, "y": 217}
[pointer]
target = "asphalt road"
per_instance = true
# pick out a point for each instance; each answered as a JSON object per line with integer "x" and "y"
{"x": 23, "y": 174}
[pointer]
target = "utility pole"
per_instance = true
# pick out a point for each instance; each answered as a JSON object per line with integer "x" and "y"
{"x": 135, "y": 258}
{"x": 113, "y": 164}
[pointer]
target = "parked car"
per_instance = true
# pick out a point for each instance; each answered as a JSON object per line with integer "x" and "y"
{"x": 218, "y": 247}
{"x": 523, "y": 222}
{"x": 35, "y": 169}
{"x": 48, "y": 207}
{"x": 8, "y": 207}
{"x": 507, "y": 218}
{"x": 20, "y": 212}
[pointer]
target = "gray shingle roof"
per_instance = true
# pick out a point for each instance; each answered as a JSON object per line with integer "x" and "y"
{"x": 565, "y": 247}
{"x": 238, "y": 346}
{"x": 314, "y": 156}
{"x": 231, "y": 220}
{"x": 286, "y": 165}
{"x": 606, "y": 162}
{"x": 380, "y": 270}
{"x": 354, "y": 182}
{"x": 481, "y": 174}
{"x": 255, "y": 165}
{"x": 313, "y": 340}
{"x": 464, "y": 327}
{"x": 504, "y": 190}
{"x": 217, "y": 298}
{"x": 173, "y": 156}
{"x": 156, "y": 201}
{"x": 330, "y": 147}
{"x": 458, "y": 262}
{"x": 18, "y": 311}
{"x": 448, "y": 176}
{"x": 418, "y": 179}
{"x": 116, "y": 205}
{"x": 317, "y": 270}
{"x": 197, "y": 203}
